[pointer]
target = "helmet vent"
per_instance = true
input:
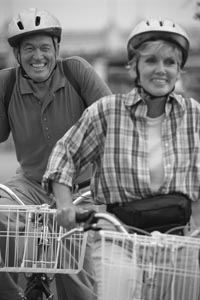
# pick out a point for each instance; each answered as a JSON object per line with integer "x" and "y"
{"x": 161, "y": 23}
{"x": 37, "y": 21}
{"x": 20, "y": 25}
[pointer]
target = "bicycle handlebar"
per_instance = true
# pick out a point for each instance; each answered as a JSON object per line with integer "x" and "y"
{"x": 91, "y": 218}
{"x": 11, "y": 194}
{"x": 82, "y": 217}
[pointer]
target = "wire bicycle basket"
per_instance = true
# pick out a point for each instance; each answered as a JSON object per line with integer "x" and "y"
{"x": 33, "y": 242}
{"x": 139, "y": 267}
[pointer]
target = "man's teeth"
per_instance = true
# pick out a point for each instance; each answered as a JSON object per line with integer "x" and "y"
{"x": 38, "y": 65}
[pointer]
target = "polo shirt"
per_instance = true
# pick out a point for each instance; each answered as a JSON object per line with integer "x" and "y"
{"x": 36, "y": 124}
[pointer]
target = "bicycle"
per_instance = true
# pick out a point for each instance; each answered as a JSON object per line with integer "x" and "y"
{"x": 135, "y": 265}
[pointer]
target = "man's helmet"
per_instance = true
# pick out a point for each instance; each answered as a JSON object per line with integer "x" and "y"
{"x": 155, "y": 29}
{"x": 33, "y": 21}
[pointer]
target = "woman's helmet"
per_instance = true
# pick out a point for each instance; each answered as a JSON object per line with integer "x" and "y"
{"x": 33, "y": 21}
{"x": 155, "y": 29}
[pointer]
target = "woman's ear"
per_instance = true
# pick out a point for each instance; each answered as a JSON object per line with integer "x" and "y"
{"x": 133, "y": 70}
{"x": 179, "y": 86}
{"x": 178, "y": 77}
{"x": 132, "y": 73}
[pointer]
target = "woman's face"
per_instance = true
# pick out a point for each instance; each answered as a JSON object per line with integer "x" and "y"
{"x": 159, "y": 70}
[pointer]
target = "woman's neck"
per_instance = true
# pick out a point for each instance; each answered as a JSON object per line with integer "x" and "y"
{"x": 156, "y": 105}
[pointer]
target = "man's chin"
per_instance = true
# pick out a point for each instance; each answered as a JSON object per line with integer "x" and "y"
{"x": 39, "y": 79}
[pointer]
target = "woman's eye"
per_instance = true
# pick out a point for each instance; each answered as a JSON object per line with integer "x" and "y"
{"x": 170, "y": 61}
{"x": 151, "y": 60}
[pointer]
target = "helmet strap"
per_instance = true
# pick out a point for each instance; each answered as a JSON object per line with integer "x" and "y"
{"x": 141, "y": 89}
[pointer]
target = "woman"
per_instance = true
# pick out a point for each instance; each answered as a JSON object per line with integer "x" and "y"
{"x": 142, "y": 144}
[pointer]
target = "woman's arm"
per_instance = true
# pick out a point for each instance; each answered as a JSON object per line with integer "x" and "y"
{"x": 65, "y": 208}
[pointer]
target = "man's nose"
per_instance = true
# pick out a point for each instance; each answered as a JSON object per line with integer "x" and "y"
{"x": 37, "y": 53}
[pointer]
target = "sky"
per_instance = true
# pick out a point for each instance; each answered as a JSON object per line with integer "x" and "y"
{"x": 95, "y": 14}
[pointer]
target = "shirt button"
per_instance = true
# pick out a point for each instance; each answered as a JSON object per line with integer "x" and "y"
{"x": 45, "y": 119}
{"x": 48, "y": 137}
{"x": 47, "y": 128}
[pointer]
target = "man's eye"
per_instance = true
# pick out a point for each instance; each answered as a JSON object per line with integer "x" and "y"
{"x": 28, "y": 49}
{"x": 45, "y": 48}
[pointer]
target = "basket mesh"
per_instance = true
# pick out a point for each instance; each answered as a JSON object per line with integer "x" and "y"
{"x": 31, "y": 241}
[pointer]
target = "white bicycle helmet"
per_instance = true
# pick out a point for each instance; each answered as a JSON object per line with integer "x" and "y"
{"x": 154, "y": 29}
{"x": 33, "y": 21}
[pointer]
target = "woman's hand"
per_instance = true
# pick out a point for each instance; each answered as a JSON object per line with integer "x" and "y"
{"x": 66, "y": 217}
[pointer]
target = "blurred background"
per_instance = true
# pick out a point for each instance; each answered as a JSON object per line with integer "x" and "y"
{"x": 98, "y": 31}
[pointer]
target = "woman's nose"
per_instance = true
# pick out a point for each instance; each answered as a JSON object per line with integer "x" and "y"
{"x": 160, "y": 67}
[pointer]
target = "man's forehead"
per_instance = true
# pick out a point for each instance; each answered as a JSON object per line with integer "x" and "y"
{"x": 36, "y": 38}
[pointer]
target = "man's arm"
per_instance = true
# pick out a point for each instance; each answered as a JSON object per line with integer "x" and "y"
{"x": 4, "y": 122}
{"x": 4, "y": 126}
{"x": 92, "y": 86}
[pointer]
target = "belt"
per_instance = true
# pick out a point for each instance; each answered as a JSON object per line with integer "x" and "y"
{"x": 110, "y": 207}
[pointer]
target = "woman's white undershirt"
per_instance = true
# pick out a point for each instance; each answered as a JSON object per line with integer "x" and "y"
{"x": 155, "y": 152}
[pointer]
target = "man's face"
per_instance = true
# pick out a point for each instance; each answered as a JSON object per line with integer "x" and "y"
{"x": 38, "y": 56}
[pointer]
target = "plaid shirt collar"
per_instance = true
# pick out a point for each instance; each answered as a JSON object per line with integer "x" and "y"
{"x": 135, "y": 96}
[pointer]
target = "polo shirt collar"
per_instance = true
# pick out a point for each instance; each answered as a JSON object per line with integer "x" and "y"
{"x": 57, "y": 81}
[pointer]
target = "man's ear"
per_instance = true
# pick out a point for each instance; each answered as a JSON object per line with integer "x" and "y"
{"x": 16, "y": 52}
{"x": 57, "y": 49}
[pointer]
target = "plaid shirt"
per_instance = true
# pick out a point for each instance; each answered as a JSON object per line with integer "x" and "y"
{"x": 112, "y": 133}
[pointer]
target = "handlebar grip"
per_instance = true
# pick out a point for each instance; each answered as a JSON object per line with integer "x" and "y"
{"x": 83, "y": 217}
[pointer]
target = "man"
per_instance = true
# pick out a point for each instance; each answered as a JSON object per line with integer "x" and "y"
{"x": 43, "y": 106}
